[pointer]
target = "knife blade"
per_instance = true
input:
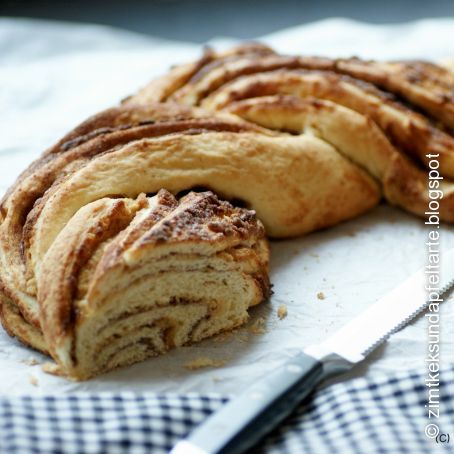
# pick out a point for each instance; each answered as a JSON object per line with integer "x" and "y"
{"x": 245, "y": 419}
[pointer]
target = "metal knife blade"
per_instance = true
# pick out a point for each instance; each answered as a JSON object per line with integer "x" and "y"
{"x": 355, "y": 340}
{"x": 243, "y": 421}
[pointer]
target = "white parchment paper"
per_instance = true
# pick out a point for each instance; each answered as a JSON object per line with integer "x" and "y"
{"x": 53, "y": 76}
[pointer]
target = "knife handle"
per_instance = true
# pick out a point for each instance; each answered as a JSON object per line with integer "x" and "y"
{"x": 245, "y": 419}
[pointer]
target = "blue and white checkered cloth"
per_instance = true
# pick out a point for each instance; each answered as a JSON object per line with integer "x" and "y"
{"x": 381, "y": 415}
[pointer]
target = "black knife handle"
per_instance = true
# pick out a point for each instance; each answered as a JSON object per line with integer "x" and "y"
{"x": 245, "y": 419}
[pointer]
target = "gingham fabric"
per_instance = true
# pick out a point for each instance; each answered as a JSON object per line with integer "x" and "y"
{"x": 381, "y": 415}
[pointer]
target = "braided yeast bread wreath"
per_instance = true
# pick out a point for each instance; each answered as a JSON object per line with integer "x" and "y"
{"x": 100, "y": 267}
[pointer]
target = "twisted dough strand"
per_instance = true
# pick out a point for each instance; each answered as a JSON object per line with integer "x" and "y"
{"x": 100, "y": 267}
{"x": 355, "y": 137}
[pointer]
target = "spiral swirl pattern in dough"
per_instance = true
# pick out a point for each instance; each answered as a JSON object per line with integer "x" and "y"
{"x": 101, "y": 267}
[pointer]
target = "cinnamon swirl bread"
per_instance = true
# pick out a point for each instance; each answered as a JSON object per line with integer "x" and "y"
{"x": 388, "y": 118}
{"x": 153, "y": 273}
{"x": 101, "y": 267}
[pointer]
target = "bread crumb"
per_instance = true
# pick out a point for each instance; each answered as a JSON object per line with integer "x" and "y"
{"x": 243, "y": 337}
{"x": 30, "y": 361}
{"x": 352, "y": 234}
{"x": 52, "y": 369}
{"x": 320, "y": 295}
{"x": 201, "y": 362}
{"x": 33, "y": 380}
{"x": 258, "y": 327}
{"x": 313, "y": 254}
{"x": 222, "y": 337}
{"x": 282, "y": 311}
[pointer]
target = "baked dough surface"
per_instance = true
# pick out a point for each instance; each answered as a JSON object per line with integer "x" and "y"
{"x": 107, "y": 257}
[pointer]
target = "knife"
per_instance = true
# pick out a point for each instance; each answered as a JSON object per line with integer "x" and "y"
{"x": 245, "y": 419}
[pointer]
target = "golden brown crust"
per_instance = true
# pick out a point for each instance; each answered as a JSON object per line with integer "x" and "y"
{"x": 159, "y": 90}
{"x": 356, "y": 137}
{"x": 425, "y": 84}
{"x": 307, "y": 142}
{"x": 411, "y": 132}
{"x": 16, "y": 326}
{"x": 99, "y": 135}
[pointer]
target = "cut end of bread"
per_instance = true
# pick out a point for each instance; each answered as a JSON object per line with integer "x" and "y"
{"x": 151, "y": 277}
